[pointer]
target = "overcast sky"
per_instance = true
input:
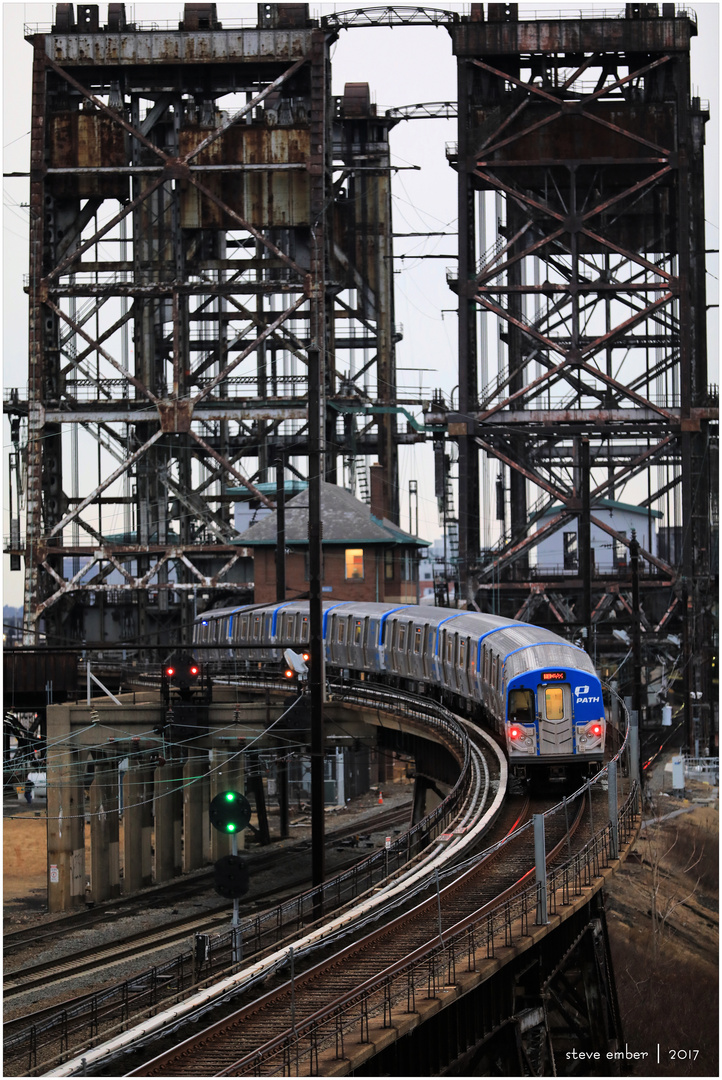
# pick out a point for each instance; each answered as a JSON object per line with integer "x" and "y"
{"x": 403, "y": 66}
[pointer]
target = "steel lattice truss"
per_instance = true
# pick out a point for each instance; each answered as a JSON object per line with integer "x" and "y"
{"x": 594, "y": 278}
{"x": 189, "y": 241}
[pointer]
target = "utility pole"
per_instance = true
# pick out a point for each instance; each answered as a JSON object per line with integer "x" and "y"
{"x": 280, "y": 533}
{"x": 316, "y": 662}
{"x": 636, "y": 633}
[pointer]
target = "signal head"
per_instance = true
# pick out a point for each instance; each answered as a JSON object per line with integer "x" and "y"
{"x": 230, "y": 812}
{"x": 182, "y": 670}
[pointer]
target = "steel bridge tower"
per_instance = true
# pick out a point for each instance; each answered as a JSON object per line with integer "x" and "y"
{"x": 202, "y": 212}
{"x": 582, "y": 340}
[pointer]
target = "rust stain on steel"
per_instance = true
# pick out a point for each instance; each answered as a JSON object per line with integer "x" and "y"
{"x": 87, "y": 140}
{"x": 565, "y": 133}
{"x": 265, "y": 199}
{"x": 175, "y": 416}
{"x": 571, "y": 35}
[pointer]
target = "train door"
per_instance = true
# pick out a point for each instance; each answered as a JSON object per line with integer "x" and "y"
{"x": 463, "y": 665}
{"x": 355, "y": 643}
{"x": 416, "y": 651}
{"x": 449, "y": 654}
{"x": 371, "y": 643}
{"x": 555, "y": 711}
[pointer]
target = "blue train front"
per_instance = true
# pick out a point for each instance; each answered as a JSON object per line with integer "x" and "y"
{"x": 554, "y": 716}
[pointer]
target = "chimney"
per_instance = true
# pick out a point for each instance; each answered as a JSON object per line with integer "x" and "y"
{"x": 378, "y": 490}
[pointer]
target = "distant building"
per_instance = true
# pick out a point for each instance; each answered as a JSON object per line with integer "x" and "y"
{"x": 364, "y": 557}
{"x": 559, "y": 552}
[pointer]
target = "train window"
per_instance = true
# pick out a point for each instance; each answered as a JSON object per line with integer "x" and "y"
{"x": 304, "y": 628}
{"x": 554, "y": 702}
{"x": 256, "y": 627}
{"x": 341, "y": 632}
{"x": 418, "y": 639}
{"x": 358, "y": 632}
{"x": 401, "y": 637}
{"x": 493, "y": 671}
{"x": 290, "y": 627}
{"x": 244, "y": 627}
{"x": 486, "y": 664}
{"x": 521, "y": 706}
{"x": 462, "y": 654}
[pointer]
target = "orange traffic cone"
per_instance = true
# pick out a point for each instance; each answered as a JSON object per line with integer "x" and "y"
{"x": 381, "y": 797}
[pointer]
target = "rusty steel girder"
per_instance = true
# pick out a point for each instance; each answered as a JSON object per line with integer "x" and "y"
{"x": 594, "y": 283}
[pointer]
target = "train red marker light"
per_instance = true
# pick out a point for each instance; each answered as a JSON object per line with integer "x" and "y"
{"x": 514, "y": 733}
{"x": 596, "y": 729}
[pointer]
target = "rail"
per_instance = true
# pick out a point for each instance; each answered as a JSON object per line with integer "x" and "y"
{"x": 186, "y": 972}
{"x": 434, "y": 966}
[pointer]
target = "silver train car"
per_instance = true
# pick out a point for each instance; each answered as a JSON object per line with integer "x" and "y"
{"x": 538, "y": 693}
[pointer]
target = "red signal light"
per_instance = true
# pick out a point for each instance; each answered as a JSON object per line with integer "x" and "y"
{"x": 170, "y": 671}
{"x": 306, "y": 657}
{"x": 194, "y": 670}
{"x": 289, "y": 673}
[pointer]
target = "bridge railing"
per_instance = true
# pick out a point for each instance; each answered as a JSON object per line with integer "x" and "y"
{"x": 435, "y": 965}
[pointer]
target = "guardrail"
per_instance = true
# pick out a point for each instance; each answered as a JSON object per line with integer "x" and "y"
{"x": 435, "y": 965}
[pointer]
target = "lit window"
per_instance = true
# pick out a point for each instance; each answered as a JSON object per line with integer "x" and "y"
{"x": 554, "y": 702}
{"x": 354, "y": 564}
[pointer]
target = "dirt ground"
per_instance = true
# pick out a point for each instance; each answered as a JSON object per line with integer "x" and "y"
{"x": 24, "y": 858}
{"x": 663, "y": 921}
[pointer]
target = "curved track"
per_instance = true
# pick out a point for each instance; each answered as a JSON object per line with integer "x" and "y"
{"x": 254, "y": 1038}
{"x": 484, "y": 787}
{"x": 336, "y": 962}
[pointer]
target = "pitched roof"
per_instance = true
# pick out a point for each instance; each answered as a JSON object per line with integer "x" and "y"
{"x": 345, "y": 520}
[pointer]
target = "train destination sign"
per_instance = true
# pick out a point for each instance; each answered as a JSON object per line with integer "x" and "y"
{"x": 552, "y": 676}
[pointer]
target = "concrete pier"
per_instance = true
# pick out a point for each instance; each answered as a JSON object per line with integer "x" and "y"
{"x": 104, "y": 831}
{"x": 137, "y": 827}
{"x": 66, "y": 826}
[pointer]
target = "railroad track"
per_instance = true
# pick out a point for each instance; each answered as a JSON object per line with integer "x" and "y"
{"x": 482, "y": 785}
{"x": 184, "y": 889}
{"x": 254, "y": 1039}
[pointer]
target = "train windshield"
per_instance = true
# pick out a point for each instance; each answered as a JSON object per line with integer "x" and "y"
{"x": 521, "y": 706}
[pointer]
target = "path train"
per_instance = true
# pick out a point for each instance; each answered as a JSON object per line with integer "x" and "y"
{"x": 539, "y": 693}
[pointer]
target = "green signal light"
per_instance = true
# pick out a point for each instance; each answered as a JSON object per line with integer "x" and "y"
{"x": 231, "y": 826}
{"x": 230, "y": 796}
